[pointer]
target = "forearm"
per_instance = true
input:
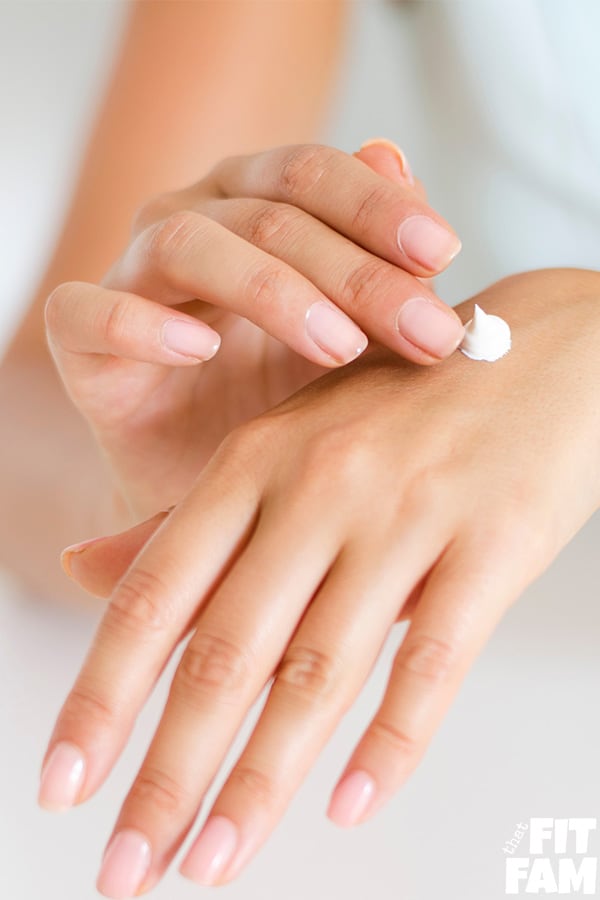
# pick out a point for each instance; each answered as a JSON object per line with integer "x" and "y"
{"x": 193, "y": 82}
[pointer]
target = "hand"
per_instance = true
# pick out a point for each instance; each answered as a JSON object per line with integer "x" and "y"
{"x": 378, "y": 491}
{"x": 288, "y": 250}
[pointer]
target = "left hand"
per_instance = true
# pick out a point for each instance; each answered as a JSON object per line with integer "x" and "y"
{"x": 378, "y": 491}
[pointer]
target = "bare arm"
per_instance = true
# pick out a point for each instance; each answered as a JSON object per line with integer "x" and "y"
{"x": 193, "y": 82}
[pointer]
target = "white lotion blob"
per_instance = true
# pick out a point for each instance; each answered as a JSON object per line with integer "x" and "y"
{"x": 486, "y": 337}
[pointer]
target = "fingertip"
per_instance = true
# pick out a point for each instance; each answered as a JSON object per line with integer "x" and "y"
{"x": 386, "y": 158}
{"x": 434, "y": 329}
{"x": 193, "y": 340}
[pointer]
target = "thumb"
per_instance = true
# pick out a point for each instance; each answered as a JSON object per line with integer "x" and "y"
{"x": 98, "y": 564}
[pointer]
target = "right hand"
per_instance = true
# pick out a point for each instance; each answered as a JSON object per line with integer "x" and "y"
{"x": 301, "y": 241}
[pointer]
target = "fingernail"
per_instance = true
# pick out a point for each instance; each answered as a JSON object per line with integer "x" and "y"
{"x": 427, "y": 326}
{"x": 405, "y": 169}
{"x": 351, "y": 798}
{"x": 190, "y": 339}
{"x": 67, "y": 554}
{"x": 427, "y": 243}
{"x": 334, "y": 333}
{"x": 212, "y": 851}
{"x": 125, "y": 865}
{"x": 61, "y": 777}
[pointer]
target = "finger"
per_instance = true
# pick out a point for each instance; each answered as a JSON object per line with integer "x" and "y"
{"x": 388, "y": 219}
{"x": 320, "y": 675}
{"x": 389, "y": 304}
{"x": 189, "y": 255}
{"x": 237, "y": 643}
{"x": 98, "y": 564}
{"x": 85, "y": 319}
{"x": 149, "y": 610}
{"x": 463, "y": 598}
{"x": 386, "y": 158}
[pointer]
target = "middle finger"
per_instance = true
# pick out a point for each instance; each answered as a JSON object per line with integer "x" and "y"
{"x": 389, "y": 304}
{"x": 230, "y": 657}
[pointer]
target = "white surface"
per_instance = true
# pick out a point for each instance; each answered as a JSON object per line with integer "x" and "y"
{"x": 522, "y": 739}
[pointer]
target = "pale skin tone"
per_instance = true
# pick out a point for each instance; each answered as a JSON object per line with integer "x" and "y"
{"x": 202, "y": 60}
{"x": 307, "y": 477}
{"x": 277, "y": 566}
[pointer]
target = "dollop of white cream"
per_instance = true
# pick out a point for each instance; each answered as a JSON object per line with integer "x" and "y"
{"x": 486, "y": 337}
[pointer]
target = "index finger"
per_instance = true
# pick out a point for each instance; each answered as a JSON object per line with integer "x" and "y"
{"x": 387, "y": 218}
{"x": 150, "y": 610}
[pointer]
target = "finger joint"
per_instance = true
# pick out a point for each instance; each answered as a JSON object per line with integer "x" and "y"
{"x": 154, "y": 788}
{"x": 370, "y": 207}
{"x": 308, "y": 673}
{"x": 142, "y": 602}
{"x": 302, "y": 169}
{"x": 400, "y": 741}
{"x": 212, "y": 667}
{"x": 427, "y": 657}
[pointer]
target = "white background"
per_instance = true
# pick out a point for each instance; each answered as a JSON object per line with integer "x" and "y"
{"x": 521, "y": 740}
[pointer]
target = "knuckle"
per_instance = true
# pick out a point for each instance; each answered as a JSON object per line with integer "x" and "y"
{"x": 249, "y": 438}
{"x": 215, "y": 666}
{"x": 115, "y": 316}
{"x": 154, "y": 788}
{"x": 170, "y": 237}
{"x": 82, "y": 704}
{"x": 424, "y": 491}
{"x": 266, "y": 285}
{"x": 309, "y": 673}
{"x": 398, "y": 738}
{"x": 427, "y": 657}
{"x": 141, "y": 602}
{"x": 272, "y": 225}
{"x": 302, "y": 169}
{"x": 258, "y": 784}
{"x": 362, "y": 288}
{"x": 370, "y": 207}
{"x": 336, "y": 455}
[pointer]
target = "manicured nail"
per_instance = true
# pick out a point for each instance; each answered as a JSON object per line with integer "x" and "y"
{"x": 432, "y": 329}
{"x": 61, "y": 777}
{"x": 334, "y": 333}
{"x": 190, "y": 339}
{"x": 427, "y": 243}
{"x": 212, "y": 851}
{"x": 403, "y": 164}
{"x": 67, "y": 554}
{"x": 125, "y": 865}
{"x": 351, "y": 798}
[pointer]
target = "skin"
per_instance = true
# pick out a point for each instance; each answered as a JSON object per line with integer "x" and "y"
{"x": 465, "y": 466}
{"x": 199, "y": 61}
{"x": 264, "y": 237}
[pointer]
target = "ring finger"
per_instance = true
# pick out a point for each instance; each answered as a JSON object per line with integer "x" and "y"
{"x": 322, "y": 671}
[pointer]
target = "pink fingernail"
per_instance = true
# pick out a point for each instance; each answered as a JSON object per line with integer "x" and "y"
{"x": 403, "y": 164}
{"x": 125, "y": 865}
{"x": 212, "y": 851}
{"x": 334, "y": 333}
{"x": 427, "y": 243}
{"x": 351, "y": 798}
{"x": 61, "y": 777}
{"x": 429, "y": 327}
{"x": 190, "y": 339}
